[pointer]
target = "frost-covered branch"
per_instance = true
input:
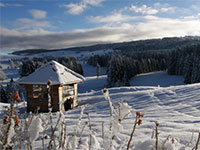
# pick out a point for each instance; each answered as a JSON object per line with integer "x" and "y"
{"x": 53, "y": 134}
{"x": 138, "y": 121}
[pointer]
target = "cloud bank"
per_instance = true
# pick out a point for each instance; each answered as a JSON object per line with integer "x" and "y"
{"x": 152, "y": 27}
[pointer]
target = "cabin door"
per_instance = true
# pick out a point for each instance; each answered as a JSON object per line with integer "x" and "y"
{"x": 68, "y": 104}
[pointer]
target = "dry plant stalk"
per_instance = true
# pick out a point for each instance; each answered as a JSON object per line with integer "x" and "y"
{"x": 103, "y": 131}
{"x": 167, "y": 139}
{"x": 119, "y": 108}
{"x": 12, "y": 121}
{"x": 61, "y": 134}
{"x": 27, "y": 125}
{"x": 156, "y": 134}
{"x": 53, "y": 133}
{"x": 138, "y": 121}
{"x": 107, "y": 97}
{"x": 65, "y": 136}
{"x": 190, "y": 142}
{"x": 90, "y": 128}
{"x": 197, "y": 143}
{"x": 81, "y": 133}
{"x": 11, "y": 112}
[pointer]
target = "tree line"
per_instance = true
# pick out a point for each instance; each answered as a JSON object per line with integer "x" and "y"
{"x": 122, "y": 67}
{"x": 30, "y": 65}
{"x": 186, "y": 61}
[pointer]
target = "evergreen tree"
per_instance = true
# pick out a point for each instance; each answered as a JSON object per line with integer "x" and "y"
{"x": 28, "y": 67}
{"x": 172, "y": 63}
{"x": 186, "y": 62}
{"x": 11, "y": 87}
{"x": 3, "y": 95}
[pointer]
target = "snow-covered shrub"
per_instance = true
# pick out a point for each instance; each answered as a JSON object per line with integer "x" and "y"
{"x": 8, "y": 128}
{"x": 35, "y": 128}
{"x": 116, "y": 116}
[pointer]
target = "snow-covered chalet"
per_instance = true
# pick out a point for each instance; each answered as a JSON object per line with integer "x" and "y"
{"x": 63, "y": 87}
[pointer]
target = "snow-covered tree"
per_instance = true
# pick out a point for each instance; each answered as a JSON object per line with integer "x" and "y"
{"x": 28, "y": 67}
{"x": 2, "y": 75}
{"x": 98, "y": 68}
{"x": 185, "y": 61}
{"x": 12, "y": 65}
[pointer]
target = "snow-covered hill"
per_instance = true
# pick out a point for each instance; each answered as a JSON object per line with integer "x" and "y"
{"x": 77, "y": 54}
{"x": 176, "y": 108}
{"x": 158, "y": 96}
{"x": 160, "y": 78}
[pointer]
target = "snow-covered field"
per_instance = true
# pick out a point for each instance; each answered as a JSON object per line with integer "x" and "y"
{"x": 161, "y": 98}
{"x": 79, "y": 54}
{"x": 175, "y": 108}
{"x": 159, "y": 78}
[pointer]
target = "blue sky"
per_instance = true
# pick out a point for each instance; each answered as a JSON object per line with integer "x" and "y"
{"x": 50, "y": 24}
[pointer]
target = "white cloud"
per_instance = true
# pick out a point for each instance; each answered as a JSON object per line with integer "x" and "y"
{"x": 144, "y": 9}
{"x": 78, "y": 8}
{"x": 195, "y": 7}
{"x": 164, "y": 8}
{"x": 27, "y": 24}
{"x": 10, "y": 5}
{"x": 2, "y": 4}
{"x": 113, "y": 18}
{"x": 38, "y": 14}
{"x": 92, "y": 2}
{"x": 169, "y": 9}
{"x": 75, "y": 9}
{"x": 150, "y": 28}
{"x": 156, "y": 8}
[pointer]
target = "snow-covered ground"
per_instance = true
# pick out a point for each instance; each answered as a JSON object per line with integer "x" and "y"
{"x": 78, "y": 54}
{"x": 175, "y": 108}
{"x": 161, "y": 98}
{"x": 160, "y": 78}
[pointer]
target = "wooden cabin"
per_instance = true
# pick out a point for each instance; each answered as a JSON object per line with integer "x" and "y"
{"x": 63, "y": 88}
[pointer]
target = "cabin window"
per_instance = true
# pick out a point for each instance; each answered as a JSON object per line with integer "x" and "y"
{"x": 68, "y": 90}
{"x": 39, "y": 91}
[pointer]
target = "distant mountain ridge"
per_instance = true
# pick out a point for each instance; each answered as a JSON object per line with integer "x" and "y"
{"x": 140, "y": 45}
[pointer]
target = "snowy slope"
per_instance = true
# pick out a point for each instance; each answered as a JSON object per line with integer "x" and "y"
{"x": 77, "y": 54}
{"x": 176, "y": 107}
{"x": 160, "y": 78}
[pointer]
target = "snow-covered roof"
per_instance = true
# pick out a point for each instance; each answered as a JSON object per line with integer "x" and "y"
{"x": 53, "y": 71}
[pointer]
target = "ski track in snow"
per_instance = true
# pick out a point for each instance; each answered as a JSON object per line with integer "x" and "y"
{"x": 175, "y": 107}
